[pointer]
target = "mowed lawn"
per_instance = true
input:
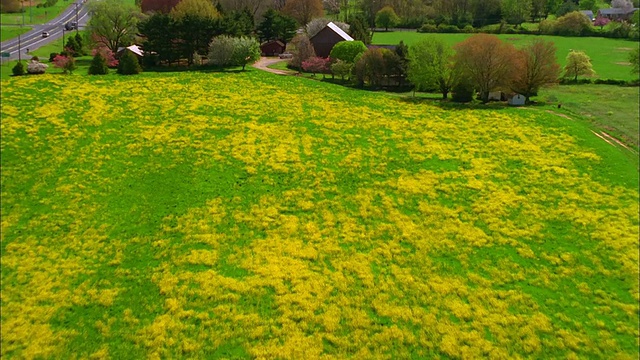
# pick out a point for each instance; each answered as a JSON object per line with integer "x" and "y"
{"x": 610, "y": 57}
{"x": 243, "y": 214}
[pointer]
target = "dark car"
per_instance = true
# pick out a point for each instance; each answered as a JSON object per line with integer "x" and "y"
{"x": 71, "y": 25}
{"x": 45, "y": 34}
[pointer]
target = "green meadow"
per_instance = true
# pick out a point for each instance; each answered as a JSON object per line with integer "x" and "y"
{"x": 608, "y": 56}
{"x": 248, "y": 215}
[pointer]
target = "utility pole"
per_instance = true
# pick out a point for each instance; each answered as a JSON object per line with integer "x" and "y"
{"x": 77, "y": 25}
{"x": 22, "y": 4}
{"x": 30, "y": 11}
{"x": 63, "y": 38}
{"x": 19, "y": 49}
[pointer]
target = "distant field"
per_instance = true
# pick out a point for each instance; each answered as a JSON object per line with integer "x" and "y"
{"x": 35, "y": 15}
{"x": 611, "y": 108}
{"x": 248, "y": 215}
{"x": 608, "y": 56}
{"x": 9, "y": 32}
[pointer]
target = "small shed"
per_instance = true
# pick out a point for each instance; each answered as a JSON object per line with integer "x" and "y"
{"x": 327, "y": 38}
{"x": 497, "y": 96}
{"x": 517, "y": 100}
{"x": 133, "y": 48}
{"x": 272, "y": 48}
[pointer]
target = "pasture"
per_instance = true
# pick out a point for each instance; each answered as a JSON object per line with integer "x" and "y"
{"x": 608, "y": 56}
{"x": 244, "y": 214}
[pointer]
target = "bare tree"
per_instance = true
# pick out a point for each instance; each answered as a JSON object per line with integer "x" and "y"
{"x": 486, "y": 61}
{"x": 536, "y": 66}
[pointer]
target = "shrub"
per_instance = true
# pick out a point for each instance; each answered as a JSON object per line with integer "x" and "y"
{"x": 462, "y": 91}
{"x": 341, "y": 68}
{"x": 129, "y": 64}
{"x": 66, "y": 63}
{"x": 443, "y": 28}
{"x": 348, "y": 50}
{"x": 547, "y": 27}
{"x": 98, "y": 65}
{"x": 18, "y": 69}
{"x": 108, "y": 55}
{"x": 52, "y": 56}
{"x": 428, "y": 28}
{"x": 316, "y": 65}
{"x": 573, "y": 24}
{"x": 468, "y": 29}
{"x": 36, "y": 67}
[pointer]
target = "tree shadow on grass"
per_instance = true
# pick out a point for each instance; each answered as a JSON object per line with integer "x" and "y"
{"x": 195, "y": 69}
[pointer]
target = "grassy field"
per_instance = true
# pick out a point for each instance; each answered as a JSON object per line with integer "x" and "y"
{"x": 244, "y": 214}
{"x": 608, "y": 56}
{"x": 9, "y": 32}
{"x": 35, "y": 15}
{"x": 610, "y": 108}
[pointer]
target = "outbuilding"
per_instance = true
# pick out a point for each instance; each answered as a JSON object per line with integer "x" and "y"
{"x": 272, "y": 48}
{"x": 517, "y": 100}
{"x": 327, "y": 38}
{"x": 133, "y": 48}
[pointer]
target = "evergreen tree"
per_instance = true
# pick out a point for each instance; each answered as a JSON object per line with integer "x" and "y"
{"x": 129, "y": 64}
{"x": 18, "y": 69}
{"x": 358, "y": 30}
{"x": 98, "y": 65}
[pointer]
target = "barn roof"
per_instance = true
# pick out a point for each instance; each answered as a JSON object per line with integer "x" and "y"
{"x": 339, "y": 31}
{"x": 272, "y": 42}
{"x": 134, "y": 49}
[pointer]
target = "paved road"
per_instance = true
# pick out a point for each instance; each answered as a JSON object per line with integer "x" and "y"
{"x": 33, "y": 39}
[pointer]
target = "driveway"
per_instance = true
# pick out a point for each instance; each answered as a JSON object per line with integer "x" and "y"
{"x": 264, "y": 62}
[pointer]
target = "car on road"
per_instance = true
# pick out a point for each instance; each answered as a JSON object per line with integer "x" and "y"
{"x": 71, "y": 25}
{"x": 45, "y": 34}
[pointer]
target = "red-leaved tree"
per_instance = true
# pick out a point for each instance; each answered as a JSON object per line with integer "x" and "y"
{"x": 316, "y": 65}
{"x": 66, "y": 63}
{"x": 106, "y": 53}
{"x": 601, "y": 21}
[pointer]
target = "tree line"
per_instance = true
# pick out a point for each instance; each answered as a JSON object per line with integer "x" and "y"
{"x": 483, "y": 63}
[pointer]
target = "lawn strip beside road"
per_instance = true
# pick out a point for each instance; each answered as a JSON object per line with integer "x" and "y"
{"x": 10, "y": 32}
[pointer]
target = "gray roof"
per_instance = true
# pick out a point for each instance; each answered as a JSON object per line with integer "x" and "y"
{"x": 616, "y": 11}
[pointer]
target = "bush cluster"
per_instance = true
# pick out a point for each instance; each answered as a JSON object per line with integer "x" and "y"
{"x": 571, "y": 24}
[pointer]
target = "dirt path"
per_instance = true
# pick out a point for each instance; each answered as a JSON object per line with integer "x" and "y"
{"x": 264, "y": 62}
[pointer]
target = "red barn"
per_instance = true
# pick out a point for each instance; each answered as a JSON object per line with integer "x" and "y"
{"x": 159, "y": 6}
{"x": 326, "y": 38}
{"x": 272, "y": 48}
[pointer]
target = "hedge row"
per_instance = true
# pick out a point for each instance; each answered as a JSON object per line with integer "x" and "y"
{"x": 617, "y": 33}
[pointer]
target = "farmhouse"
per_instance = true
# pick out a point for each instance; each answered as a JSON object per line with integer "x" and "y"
{"x": 617, "y": 13}
{"x": 272, "y": 48}
{"x": 326, "y": 38}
